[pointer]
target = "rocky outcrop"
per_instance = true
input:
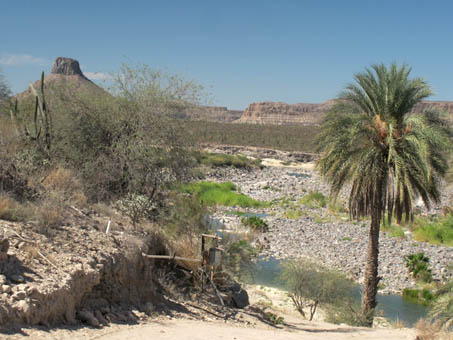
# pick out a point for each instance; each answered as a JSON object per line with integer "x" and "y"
{"x": 211, "y": 114}
{"x": 67, "y": 67}
{"x": 443, "y": 106}
{"x": 311, "y": 114}
{"x": 282, "y": 113}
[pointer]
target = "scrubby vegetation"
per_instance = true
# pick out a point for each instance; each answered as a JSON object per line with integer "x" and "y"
{"x": 76, "y": 147}
{"x": 436, "y": 230}
{"x": 281, "y": 137}
{"x": 212, "y": 193}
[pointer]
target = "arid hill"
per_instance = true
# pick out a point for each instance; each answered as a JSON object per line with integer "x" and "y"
{"x": 65, "y": 73}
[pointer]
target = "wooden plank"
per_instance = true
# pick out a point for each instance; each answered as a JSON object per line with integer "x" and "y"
{"x": 168, "y": 257}
{"x": 211, "y": 236}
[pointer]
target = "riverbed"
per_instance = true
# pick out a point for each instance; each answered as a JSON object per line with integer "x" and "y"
{"x": 321, "y": 235}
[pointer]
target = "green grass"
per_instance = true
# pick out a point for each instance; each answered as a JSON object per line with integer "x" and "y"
{"x": 226, "y": 194}
{"x": 393, "y": 230}
{"x": 223, "y": 160}
{"x": 437, "y": 230}
{"x": 255, "y": 223}
{"x": 421, "y": 296}
{"x": 314, "y": 200}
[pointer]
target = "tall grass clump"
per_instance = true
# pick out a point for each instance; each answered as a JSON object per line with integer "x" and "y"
{"x": 314, "y": 199}
{"x": 438, "y": 230}
{"x": 226, "y": 194}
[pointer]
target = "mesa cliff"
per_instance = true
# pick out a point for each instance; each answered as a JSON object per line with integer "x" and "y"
{"x": 279, "y": 113}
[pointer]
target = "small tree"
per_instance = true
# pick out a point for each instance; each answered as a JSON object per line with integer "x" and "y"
{"x": 136, "y": 207}
{"x": 311, "y": 284}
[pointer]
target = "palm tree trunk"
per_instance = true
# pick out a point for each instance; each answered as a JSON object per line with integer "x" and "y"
{"x": 371, "y": 279}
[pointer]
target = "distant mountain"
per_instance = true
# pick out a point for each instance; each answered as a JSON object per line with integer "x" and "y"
{"x": 66, "y": 75}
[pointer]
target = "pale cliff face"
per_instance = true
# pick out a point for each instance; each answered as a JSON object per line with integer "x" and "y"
{"x": 310, "y": 114}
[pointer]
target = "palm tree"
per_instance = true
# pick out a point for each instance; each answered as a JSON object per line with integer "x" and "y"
{"x": 388, "y": 155}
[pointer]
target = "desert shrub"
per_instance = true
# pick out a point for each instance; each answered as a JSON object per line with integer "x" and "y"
{"x": 135, "y": 206}
{"x": 437, "y": 230}
{"x": 61, "y": 184}
{"x": 183, "y": 220}
{"x": 348, "y": 313}
{"x": 310, "y": 284}
{"x": 427, "y": 330}
{"x": 314, "y": 200}
{"x": 212, "y": 193}
{"x": 255, "y": 223}
{"x": 11, "y": 210}
{"x": 49, "y": 216}
{"x": 239, "y": 258}
{"x": 418, "y": 265}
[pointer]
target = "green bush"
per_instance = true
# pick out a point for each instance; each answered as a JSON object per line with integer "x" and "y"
{"x": 314, "y": 200}
{"x": 437, "y": 230}
{"x": 239, "y": 258}
{"x": 418, "y": 265}
{"x": 226, "y": 194}
{"x": 310, "y": 284}
{"x": 255, "y": 223}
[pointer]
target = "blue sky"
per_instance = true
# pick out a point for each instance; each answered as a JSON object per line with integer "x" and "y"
{"x": 241, "y": 51}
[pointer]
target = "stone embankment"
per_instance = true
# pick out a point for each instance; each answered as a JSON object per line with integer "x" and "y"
{"x": 321, "y": 235}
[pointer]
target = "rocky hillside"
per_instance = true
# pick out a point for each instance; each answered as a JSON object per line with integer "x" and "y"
{"x": 212, "y": 114}
{"x": 309, "y": 114}
{"x": 282, "y": 113}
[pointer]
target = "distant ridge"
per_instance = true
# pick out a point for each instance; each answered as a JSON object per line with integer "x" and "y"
{"x": 67, "y": 72}
{"x": 279, "y": 113}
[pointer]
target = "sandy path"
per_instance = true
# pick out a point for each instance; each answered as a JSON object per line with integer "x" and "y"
{"x": 196, "y": 330}
{"x": 202, "y": 330}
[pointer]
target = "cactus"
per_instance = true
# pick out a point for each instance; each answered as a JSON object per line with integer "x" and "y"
{"x": 41, "y": 119}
